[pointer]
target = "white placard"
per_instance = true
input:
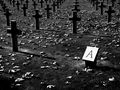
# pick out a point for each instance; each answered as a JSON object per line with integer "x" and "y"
{"x": 90, "y": 53}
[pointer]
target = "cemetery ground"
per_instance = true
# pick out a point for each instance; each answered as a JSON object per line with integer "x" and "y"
{"x": 56, "y": 60}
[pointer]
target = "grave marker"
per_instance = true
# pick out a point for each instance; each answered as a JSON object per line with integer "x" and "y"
{"x": 41, "y": 2}
{"x": 10, "y": 2}
{"x": 113, "y": 2}
{"x": 21, "y": 1}
{"x": 18, "y": 4}
{"x": 27, "y": 2}
{"x": 46, "y": 1}
{"x": 109, "y": 12}
{"x": 34, "y": 4}
{"x": 7, "y": 14}
{"x": 13, "y": 2}
{"x": 54, "y": 6}
{"x": 102, "y": 6}
{"x": 37, "y": 16}
{"x": 90, "y": 55}
{"x": 24, "y": 9}
{"x": 1, "y": 2}
{"x": 93, "y": 2}
{"x": 76, "y": 8}
{"x": 76, "y": 2}
{"x": 14, "y": 33}
{"x": 4, "y": 7}
{"x": 58, "y": 4}
{"x": 96, "y": 4}
{"x": 48, "y": 11}
{"x": 74, "y": 20}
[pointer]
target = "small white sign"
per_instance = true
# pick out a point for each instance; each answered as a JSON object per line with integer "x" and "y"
{"x": 90, "y": 53}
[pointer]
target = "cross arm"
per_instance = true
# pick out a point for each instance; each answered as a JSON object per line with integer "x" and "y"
{"x": 17, "y": 32}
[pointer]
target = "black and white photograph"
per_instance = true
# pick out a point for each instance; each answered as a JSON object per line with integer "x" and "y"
{"x": 59, "y": 44}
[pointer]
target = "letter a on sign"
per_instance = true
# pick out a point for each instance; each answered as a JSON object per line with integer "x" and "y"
{"x": 90, "y": 53}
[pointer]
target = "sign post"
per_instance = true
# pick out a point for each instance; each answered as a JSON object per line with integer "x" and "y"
{"x": 89, "y": 56}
